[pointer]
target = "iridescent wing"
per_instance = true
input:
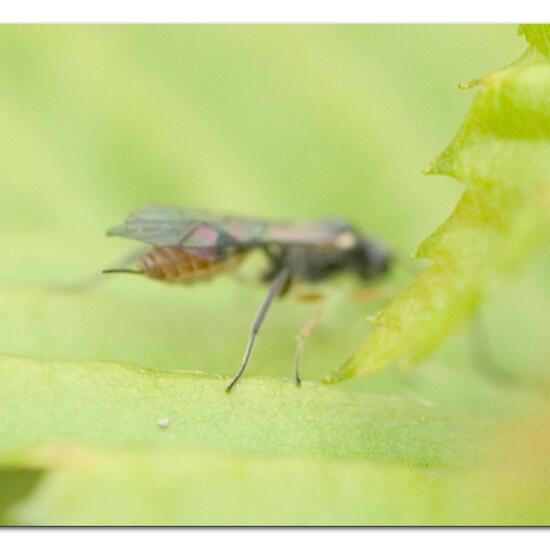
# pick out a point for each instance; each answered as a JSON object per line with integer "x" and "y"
{"x": 203, "y": 230}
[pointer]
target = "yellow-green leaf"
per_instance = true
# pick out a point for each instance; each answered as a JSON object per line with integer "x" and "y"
{"x": 502, "y": 154}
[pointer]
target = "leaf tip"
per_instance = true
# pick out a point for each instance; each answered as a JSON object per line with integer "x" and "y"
{"x": 347, "y": 370}
{"x": 430, "y": 170}
{"x": 436, "y": 167}
{"x": 471, "y": 83}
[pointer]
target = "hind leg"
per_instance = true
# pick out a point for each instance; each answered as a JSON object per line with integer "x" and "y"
{"x": 277, "y": 287}
{"x": 308, "y": 329}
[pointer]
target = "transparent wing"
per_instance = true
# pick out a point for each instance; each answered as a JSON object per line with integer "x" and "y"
{"x": 166, "y": 226}
{"x": 202, "y": 229}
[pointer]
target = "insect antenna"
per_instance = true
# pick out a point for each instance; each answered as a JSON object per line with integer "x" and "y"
{"x": 122, "y": 270}
{"x": 277, "y": 286}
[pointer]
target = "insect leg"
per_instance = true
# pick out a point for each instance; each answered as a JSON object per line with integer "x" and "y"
{"x": 277, "y": 285}
{"x": 306, "y": 332}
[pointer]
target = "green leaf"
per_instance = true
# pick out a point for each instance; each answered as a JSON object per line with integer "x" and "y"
{"x": 502, "y": 154}
{"x": 15, "y": 484}
{"x": 140, "y": 488}
{"x": 162, "y": 436}
{"x": 87, "y": 486}
{"x": 538, "y": 36}
{"x": 120, "y": 407}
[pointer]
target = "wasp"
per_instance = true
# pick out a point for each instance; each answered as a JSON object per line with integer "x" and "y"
{"x": 192, "y": 245}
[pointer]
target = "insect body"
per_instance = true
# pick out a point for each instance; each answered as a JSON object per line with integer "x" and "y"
{"x": 190, "y": 245}
{"x": 173, "y": 263}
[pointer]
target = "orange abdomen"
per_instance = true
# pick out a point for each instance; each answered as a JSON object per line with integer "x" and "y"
{"x": 174, "y": 264}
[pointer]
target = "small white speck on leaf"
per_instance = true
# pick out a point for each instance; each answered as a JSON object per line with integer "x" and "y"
{"x": 164, "y": 423}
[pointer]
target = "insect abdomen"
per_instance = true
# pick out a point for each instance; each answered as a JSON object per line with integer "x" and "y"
{"x": 174, "y": 264}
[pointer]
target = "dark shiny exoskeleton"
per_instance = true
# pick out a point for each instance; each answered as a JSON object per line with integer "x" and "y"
{"x": 190, "y": 245}
{"x": 364, "y": 258}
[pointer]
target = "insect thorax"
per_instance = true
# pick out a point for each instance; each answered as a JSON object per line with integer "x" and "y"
{"x": 312, "y": 264}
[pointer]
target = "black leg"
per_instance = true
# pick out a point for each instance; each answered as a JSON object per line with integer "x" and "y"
{"x": 277, "y": 285}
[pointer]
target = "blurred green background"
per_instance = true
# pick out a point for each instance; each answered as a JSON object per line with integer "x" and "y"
{"x": 292, "y": 122}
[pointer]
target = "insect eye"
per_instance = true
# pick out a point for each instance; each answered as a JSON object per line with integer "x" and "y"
{"x": 376, "y": 261}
